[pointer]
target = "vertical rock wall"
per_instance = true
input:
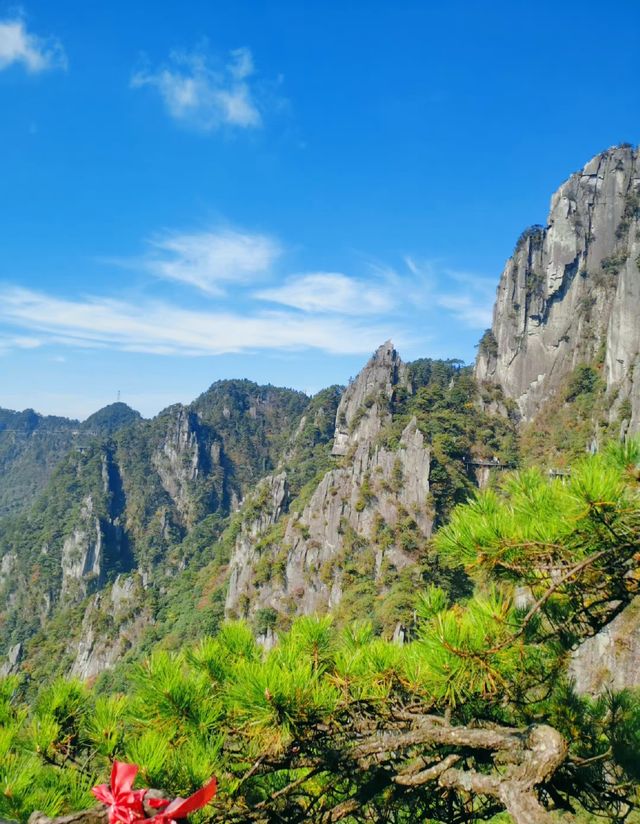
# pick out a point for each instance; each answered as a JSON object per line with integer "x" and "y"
{"x": 570, "y": 293}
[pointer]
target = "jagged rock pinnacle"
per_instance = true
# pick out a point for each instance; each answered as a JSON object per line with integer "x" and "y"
{"x": 362, "y": 409}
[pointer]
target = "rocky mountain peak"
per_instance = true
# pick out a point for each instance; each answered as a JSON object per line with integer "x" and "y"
{"x": 364, "y": 407}
{"x": 570, "y": 293}
{"x": 354, "y": 516}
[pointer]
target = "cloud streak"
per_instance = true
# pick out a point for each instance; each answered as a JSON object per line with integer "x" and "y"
{"x": 207, "y": 260}
{"x": 330, "y": 292}
{"x": 162, "y": 329}
{"x": 9, "y": 342}
{"x": 205, "y": 96}
{"x": 35, "y": 54}
{"x": 245, "y": 305}
{"x": 472, "y": 302}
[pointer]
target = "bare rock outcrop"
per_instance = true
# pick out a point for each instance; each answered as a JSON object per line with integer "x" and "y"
{"x": 364, "y": 406}
{"x": 570, "y": 293}
{"x": 610, "y": 661}
{"x": 186, "y": 455}
{"x": 113, "y": 621}
{"x": 379, "y": 486}
{"x": 12, "y": 659}
{"x": 82, "y": 555}
{"x": 7, "y": 565}
{"x": 370, "y": 490}
{"x": 266, "y": 507}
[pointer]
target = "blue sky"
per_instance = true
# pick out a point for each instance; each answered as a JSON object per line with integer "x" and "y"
{"x": 193, "y": 191}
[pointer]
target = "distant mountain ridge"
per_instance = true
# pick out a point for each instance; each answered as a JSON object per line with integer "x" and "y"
{"x": 91, "y": 570}
{"x": 131, "y": 492}
{"x": 32, "y": 445}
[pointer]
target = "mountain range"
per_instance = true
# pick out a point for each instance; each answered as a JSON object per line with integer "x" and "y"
{"x": 119, "y": 534}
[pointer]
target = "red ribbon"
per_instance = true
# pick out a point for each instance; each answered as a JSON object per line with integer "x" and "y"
{"x": 180, "y": 808}
{"x": 126, "y": 805}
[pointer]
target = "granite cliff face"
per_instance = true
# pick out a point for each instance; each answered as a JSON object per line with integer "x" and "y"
{"x": 113, "y": 621}
{"x": 351, "y": 515}
{"x": 570, "y": 294}
{"x": 189, "y": 455}
{"x": 611, "y": 659}
{"x": 267, "y": 506}
{"x": 82, "y": 562}
{"x": 364, "y": 407}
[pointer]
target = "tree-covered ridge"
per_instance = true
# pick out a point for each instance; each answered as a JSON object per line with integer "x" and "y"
{"x": 308, "y": 452}
{"x": 472, "y": 716}
{"x": 110, "y": 419}
{"x": 128, "y": 494}
{"x": 447, "y": 404}
{"x": 30, "y": 448}
{"x": 33, "y": 445}
{"x": 255, "y": 423}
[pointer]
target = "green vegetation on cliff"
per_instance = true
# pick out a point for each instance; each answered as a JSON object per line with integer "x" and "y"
{"x": 32, "y": 446}
{"x": 446, "y": 402}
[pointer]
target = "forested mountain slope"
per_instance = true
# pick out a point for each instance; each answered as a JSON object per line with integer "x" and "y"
{"x": 404, "y": 442}
{"x": 341, "y": 522}
{"x": 127, "y": 499}
{"x": 32, "y": 445}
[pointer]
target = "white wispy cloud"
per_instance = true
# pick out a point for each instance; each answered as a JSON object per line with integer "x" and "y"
{"x": 324, "y": 310}
{"x": 36, "y": 54}
{"x": 465, "y": 308}
{"x": 207, "y": 260}
{"x": 200, "y": 93}
{"x": 472, "y": 302}
{"x": 10, "y": 342}
{"x": 331, "y": 292}
{"x": 161, "y": 328}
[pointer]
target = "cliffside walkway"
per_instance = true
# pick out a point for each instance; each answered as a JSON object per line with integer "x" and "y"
{"x": 494, "y": 463}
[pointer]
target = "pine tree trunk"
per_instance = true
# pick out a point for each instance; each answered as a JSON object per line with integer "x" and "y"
{"x": 523, "y": 806}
